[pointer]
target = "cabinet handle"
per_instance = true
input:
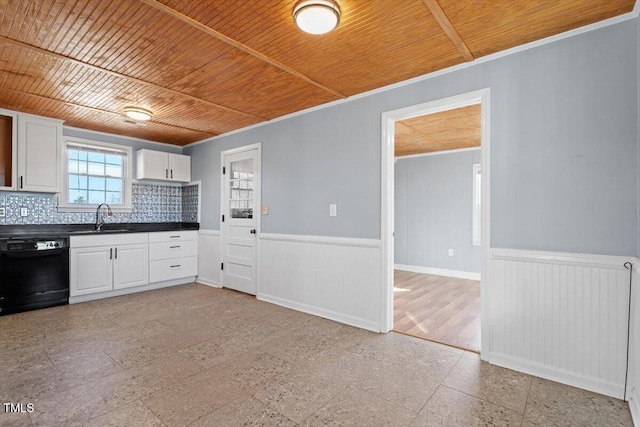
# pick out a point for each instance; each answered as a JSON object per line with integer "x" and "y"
{"x": 174, "y": 237}
{"x": 173, "y": 247}
{"x": 175, "y": 266}
{"x": 110, "y": 253}
{"x": 171, "y": 173}
{"x": 116, "y": 253}
{"x": 166, "y": 173}
{"x": 21, "y": 186}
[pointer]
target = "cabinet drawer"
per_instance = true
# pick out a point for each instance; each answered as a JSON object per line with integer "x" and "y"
{"x": 177, "y": 249}
{"x": 173, "y": 236}
{"x": 175, "y": 268}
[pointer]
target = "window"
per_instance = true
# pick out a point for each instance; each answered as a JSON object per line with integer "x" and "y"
{"x": 96, "y": 173}
{"x": 477, "y": 199}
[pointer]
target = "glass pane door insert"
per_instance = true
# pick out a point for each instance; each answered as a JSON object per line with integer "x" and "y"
{"x": 241, "y": 185}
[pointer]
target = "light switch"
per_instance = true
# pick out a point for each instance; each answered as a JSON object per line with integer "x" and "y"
{"x": 23, "y": 212}
{"x": 265, "y": 210}
{"x": 333, "y": 210}
{"x": 450, "y": 252}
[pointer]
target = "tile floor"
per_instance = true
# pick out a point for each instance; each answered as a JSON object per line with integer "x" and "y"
{"x": 193, "y": 355}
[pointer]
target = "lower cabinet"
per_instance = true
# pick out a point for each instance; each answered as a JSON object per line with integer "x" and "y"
{"x": 173, "y": 255}
{"x": 130, "y": 266}
{"x": 103, "y": 263}
{"x": 91, "y": 270}
{"x": 122, "y": 262}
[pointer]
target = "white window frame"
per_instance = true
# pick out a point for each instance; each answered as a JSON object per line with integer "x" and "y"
{"x": 65, "y": 206}
{"x": 476, "y": 205}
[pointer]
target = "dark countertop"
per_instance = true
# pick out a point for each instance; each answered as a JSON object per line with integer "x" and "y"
{"x": 7, "y": 231}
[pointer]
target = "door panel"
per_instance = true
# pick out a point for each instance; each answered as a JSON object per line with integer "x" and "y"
{"x": 241, "y": 183}
{"x": 130, "y": 266}
{"x": 91, "y": 270}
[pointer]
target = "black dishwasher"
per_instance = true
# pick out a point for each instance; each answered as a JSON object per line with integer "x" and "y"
{"x": 34, "y": 272}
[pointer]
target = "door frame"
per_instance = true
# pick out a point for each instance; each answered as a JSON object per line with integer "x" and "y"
{"x": 389, "y": 118}
{"x": 257, "y": 208}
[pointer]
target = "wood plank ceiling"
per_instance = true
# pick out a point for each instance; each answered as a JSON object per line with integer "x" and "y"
{"x": 208, "y": 67}
{"x": 447, "y": 130}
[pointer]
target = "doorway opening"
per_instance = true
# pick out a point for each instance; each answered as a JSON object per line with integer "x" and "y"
{"x": 435, "y": 220}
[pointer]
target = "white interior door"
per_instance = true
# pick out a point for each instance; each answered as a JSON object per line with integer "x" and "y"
{"x": 240, "y": 210}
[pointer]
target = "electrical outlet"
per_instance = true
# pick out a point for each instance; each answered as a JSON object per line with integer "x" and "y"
{"x": 333, "y": 210}
{"x": 265, "y": 210}
{"x": 450, "y": 252}
{"x": 24, "y": 212}
{"x": 1, "y": 212}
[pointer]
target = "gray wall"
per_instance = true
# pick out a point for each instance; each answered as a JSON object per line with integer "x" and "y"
{"x": 433, "y": 211}
{"x": 122, "y": 140}
{"x": 563, "y": 150}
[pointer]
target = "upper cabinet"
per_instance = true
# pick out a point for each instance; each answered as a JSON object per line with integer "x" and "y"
{"x": 161, "y": 166}
{"x": 39, "y": 154}
{"x": 30, "y": 152}
{"x": 8, "y": 149}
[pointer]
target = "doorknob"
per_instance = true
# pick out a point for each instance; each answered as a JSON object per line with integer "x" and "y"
{"x": 253, "y": 231}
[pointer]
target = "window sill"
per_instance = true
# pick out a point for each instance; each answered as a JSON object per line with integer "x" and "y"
{"x": 92, "y": 209}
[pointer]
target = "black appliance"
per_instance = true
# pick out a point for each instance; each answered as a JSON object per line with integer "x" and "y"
{"x": 34, "y": 272}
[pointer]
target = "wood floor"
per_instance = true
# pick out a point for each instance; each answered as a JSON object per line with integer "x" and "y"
{"x": 438, "y": 308}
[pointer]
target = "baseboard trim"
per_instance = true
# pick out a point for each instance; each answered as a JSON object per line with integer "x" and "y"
{"x": 557, "y": 375}
{"x": 126, "y": 291}
{"x": 207, "y": 282}
{"x": 634, "y": 406}
{"x": 438, "y": 271}
{"x": 327, "y": 314}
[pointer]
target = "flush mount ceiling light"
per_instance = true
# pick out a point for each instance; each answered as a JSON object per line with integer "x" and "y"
{"x": 316, "y": 16}
{"x": 137, "y": 113}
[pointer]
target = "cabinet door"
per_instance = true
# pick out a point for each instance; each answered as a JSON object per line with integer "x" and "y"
{"x": 130, "y": 266}
{"x": 152, "y": 165}
{"x": 179, "y": 167}
{"x": 8, "y": 149}
{"x": 90, "y": 270}
{"x": 39, "y": 153}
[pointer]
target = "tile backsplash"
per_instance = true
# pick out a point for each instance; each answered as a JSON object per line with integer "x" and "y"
{"x": 150, "y": 203}
{"x": 190, "y": 203}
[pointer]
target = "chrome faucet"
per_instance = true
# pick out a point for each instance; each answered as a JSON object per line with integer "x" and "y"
{"x": 100, "y": 219}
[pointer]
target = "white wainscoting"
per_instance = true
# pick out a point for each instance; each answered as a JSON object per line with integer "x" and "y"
{"x": 559, "y": 316}
{"x": 438, "y": 271}
{"x": 209, "y": 257}
{"x": 332, "y": 277}
{"x": 633, "y": 386}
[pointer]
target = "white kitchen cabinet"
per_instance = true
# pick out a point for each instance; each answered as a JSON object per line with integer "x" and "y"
{"x": 130, "y": 266}
{"x": 39, "y": 154}
{"x": 173, "y": 255}
{"x": 161, "y": 166}
{"x": 107, "y": 263}
{"x": 179, "y": 168}
{"x": 91, "y": 270}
